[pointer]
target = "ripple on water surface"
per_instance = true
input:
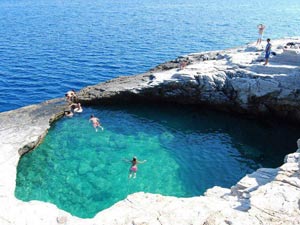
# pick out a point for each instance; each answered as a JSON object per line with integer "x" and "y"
{"x": 63, "y": 45}
{"x": 187, "y": 151}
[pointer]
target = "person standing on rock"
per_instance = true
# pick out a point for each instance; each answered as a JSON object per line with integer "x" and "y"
{"x": 261, "y": 29}
{"x": 268, "y": 51}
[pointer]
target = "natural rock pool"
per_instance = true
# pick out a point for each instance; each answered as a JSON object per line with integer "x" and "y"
{"x": 187, "y": 149}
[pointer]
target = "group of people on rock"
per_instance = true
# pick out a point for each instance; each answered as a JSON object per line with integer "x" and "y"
{"x": 75, "y": 107}
{"x": 261, "y": 28}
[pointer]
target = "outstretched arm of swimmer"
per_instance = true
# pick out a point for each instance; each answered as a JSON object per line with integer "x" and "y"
{"x": 126, "y": 160}
{"x": 142, "y": 161}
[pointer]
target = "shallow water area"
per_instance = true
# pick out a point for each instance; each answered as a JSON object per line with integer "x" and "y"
{"x": 187, "y": 149}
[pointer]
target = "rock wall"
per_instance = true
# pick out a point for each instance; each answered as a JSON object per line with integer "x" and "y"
{"x": 234, "y": 79}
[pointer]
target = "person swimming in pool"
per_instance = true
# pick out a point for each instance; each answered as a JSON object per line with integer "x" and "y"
{"x": 96, "y": 122}
{"x": 133, "y": 168}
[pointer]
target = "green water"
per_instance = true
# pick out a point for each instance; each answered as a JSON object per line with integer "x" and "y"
{"x": 187, "y": 150}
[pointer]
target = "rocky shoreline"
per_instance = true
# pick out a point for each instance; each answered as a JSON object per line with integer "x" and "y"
{"x": 229, "y": 80}
{"x": 232, "y": 80}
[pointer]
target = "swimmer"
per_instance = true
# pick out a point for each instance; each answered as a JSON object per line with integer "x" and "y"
{"x": 133, "y": 168}
{"x": 96, "y": 122}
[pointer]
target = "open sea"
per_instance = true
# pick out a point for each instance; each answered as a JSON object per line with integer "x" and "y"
{"x": 49, "y": 47}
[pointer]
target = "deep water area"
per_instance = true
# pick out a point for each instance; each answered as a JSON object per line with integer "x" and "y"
{"x": 188, "y": 150}
{"x": 50, "y": 47}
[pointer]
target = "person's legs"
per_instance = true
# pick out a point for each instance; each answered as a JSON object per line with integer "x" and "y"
{"x": 267, "y": 58}
{"x": 259, "y": 39}
{"x": 266, "y": 61}
{"x": 95, "y": 126}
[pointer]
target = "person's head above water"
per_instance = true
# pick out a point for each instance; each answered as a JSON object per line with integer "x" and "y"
{"x": 92, "y": 115}
{"x": 134, "y": 158}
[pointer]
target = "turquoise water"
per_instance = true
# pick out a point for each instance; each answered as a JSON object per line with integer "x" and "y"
{"x": 187, "y": 150}
{"x": 48, "y": 47}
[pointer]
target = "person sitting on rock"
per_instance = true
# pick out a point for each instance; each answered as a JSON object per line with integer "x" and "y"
{"x": 78, "y": 108}
{"x": 69, "y": 113}
{"x": 71, "y": 96}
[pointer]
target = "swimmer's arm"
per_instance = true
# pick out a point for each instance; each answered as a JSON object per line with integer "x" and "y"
{"x": 126, "y": 160}
{"x": 142, "y": 161}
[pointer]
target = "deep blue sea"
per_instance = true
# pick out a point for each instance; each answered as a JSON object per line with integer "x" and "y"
{"x": 48, "y": 47}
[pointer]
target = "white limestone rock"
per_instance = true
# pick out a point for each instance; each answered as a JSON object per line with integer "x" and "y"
{"x": 242, "y": 86}
{"x": 263, "y": 87}
{"x": 292, "y": 158}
